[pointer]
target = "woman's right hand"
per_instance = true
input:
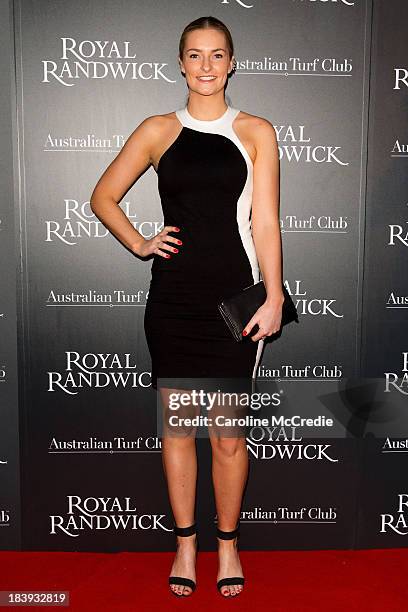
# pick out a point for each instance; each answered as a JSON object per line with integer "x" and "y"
{"x": 157, "y": 243}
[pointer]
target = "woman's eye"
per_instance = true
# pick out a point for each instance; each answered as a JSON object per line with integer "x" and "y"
{"x": 220, "y": 55}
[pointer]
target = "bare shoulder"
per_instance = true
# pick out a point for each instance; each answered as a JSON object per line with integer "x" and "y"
{"x": 160, "y": 121}
{"x": 147, "y": 138}
{"x": 257, "y": 134}
{"x": 260, "y": 127}
{"x": 156, "y": 125}
{"x": 249, "y": 129}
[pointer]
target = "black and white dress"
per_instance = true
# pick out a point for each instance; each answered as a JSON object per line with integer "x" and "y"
{"x": 205, "y": 182}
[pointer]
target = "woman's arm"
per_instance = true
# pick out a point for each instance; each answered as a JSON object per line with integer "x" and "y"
{"x": 266, "y": 229}
{"x": 265, "y": 209}
{"x": 132, "y": 160}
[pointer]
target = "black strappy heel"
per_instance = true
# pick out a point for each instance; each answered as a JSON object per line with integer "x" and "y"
{"x": 180, "y": 580}
{"x": 229, "y": 535}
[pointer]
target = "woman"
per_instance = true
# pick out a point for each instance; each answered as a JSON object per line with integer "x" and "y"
{"x": 218, "y": 178}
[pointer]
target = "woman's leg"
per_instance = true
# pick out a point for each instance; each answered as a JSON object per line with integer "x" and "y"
{"x": 180, "y": 467}
{"x": 229, "y": 473}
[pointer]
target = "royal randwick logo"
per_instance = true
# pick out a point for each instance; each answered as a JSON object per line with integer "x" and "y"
{"x": 97, "y": 371}
{"x": 295, "y": 145}
{"x": 105, "y": 514}
{"x": 283, "y": 441}
{"x": 393, "y": 382}
{"x": 397, "y": 522}
{"x": 100, "y": 59}
{"x": 78, "y": 222}
{"x": 307, "y": 303}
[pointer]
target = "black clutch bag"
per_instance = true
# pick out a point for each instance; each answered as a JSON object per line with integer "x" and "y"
{"x": 238, "y": 309}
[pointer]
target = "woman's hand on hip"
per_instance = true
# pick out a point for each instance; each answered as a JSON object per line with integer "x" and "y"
{"x": 158, "y": 244}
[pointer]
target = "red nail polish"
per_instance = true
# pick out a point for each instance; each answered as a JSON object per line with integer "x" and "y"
{"x": 175, "y": 250}
{"x": 177, "y": 229}
{"x": 179, "y": 242}
{"x": 167, "y": 255}
{"x": 244, "y": 333}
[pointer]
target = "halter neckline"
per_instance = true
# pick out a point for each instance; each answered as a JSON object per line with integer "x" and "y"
{"x": 207, "y": 121}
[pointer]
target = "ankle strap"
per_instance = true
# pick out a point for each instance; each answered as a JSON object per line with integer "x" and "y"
{"x": 185, "y": 531}
{"x": 228, "y": 535}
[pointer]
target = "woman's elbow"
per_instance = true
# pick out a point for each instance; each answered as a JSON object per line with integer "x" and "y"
{"x": 97, "y": 199}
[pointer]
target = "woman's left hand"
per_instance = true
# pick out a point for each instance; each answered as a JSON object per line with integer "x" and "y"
{"x": 268, "y": 317}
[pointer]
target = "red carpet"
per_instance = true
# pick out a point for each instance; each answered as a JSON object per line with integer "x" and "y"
{"x": 283, "y": 581}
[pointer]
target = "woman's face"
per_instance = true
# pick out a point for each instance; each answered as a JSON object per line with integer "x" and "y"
{"x": 206, "y": 62}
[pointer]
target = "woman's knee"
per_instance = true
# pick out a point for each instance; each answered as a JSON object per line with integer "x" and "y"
{"x": 227, "y": 447}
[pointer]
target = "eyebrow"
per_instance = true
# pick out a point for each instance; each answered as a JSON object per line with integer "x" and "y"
{"x": 193, "y": 49}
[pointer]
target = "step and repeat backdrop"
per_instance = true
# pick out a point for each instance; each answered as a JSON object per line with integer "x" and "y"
{"x": 80, "y": 455}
